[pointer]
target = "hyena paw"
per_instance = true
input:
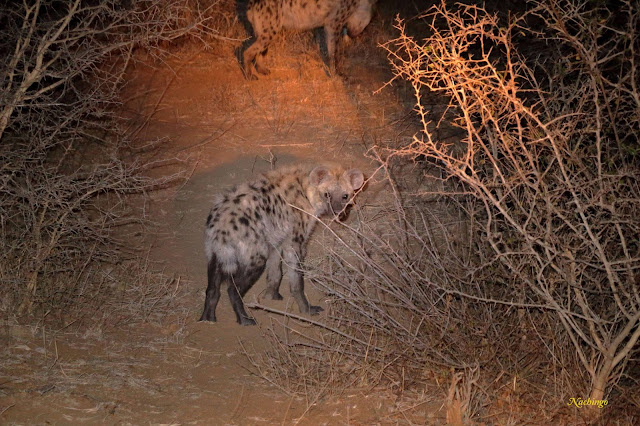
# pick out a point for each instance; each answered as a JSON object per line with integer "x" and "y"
{"x": 250, "y": 76}
{"x": 276, "y": 295}
{"x": 263, "y": 70}
{"x": 247, "y": 321}
{"x": 315, "y": 310}
{"x": 209, "y": 318}
{"x": 330, "y": 70}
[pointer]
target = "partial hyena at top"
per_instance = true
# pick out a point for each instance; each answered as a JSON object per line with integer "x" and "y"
{"x": 256, "y": 225}
{"x": 269, "y": 17}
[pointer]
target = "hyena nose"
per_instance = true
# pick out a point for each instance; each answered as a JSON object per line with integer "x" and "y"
{"x": 341, "y": 211}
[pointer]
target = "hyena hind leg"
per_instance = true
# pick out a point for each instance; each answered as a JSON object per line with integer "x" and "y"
{"x": 214, "y": 277}
{"x": 239, "y": 284}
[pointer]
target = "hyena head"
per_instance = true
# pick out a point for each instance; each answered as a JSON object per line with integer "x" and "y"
{"x": 360, "y": 18}
{"x": 331, "y": 189}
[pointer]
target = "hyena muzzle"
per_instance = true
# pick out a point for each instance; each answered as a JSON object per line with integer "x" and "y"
{"x": 256, "y": 225}
{"x": 268, "y": 17}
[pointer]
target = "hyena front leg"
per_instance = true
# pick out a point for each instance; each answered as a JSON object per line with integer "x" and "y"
{"x": 260, "y": 67}
{"x": 254, "y": 54}
{"x": 331, "y": 35}
{"x": 293, "y": 257}
{"x": 274, "y": 274}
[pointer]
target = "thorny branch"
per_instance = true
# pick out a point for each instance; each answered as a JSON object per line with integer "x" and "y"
{"x": 66, "y": 164}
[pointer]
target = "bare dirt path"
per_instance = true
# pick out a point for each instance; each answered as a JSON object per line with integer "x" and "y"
{"x": 183, "y": 371}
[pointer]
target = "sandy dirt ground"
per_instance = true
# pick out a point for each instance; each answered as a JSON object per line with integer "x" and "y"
{"x": 181, "y": 371}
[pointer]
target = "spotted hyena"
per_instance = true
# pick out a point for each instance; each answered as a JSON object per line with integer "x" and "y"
{"x": 269, "y": 17}
{"x": 258, "y": 224}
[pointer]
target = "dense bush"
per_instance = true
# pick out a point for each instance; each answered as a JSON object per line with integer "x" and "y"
{"x": 518, "y": 263}
{"x": 66, "y": 161}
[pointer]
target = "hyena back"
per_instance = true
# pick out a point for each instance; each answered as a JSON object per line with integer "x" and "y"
{"x": 258, "y": 224}
{"x": 269, "y": 17}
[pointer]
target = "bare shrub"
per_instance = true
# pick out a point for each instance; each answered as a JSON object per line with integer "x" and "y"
{"x": 550, "y": 159}
{"x": 518, "y": 273}
{"x": 67, "y": 163}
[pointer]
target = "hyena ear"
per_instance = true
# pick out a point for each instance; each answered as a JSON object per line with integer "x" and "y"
{"x": 355, "y": 178}
{"x": 318, "y": 175}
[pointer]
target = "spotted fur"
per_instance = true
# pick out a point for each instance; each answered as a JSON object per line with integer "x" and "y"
{"x": 256, "y": 225}
{"x": 268, "y": 17}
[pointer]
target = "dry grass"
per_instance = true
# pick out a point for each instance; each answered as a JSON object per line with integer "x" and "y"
{"x": 68, "y": 163}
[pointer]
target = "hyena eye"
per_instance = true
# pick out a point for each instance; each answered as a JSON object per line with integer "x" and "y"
{"x": 326, "y": 195}
{"x": 345, "y": 196}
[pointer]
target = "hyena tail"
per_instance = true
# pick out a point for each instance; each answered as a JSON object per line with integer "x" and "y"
{"x": 214, "y": 277}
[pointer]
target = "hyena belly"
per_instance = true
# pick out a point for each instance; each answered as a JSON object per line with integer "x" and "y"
{"x": 258, "y": 224}
{"x": 269, "y": 17}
